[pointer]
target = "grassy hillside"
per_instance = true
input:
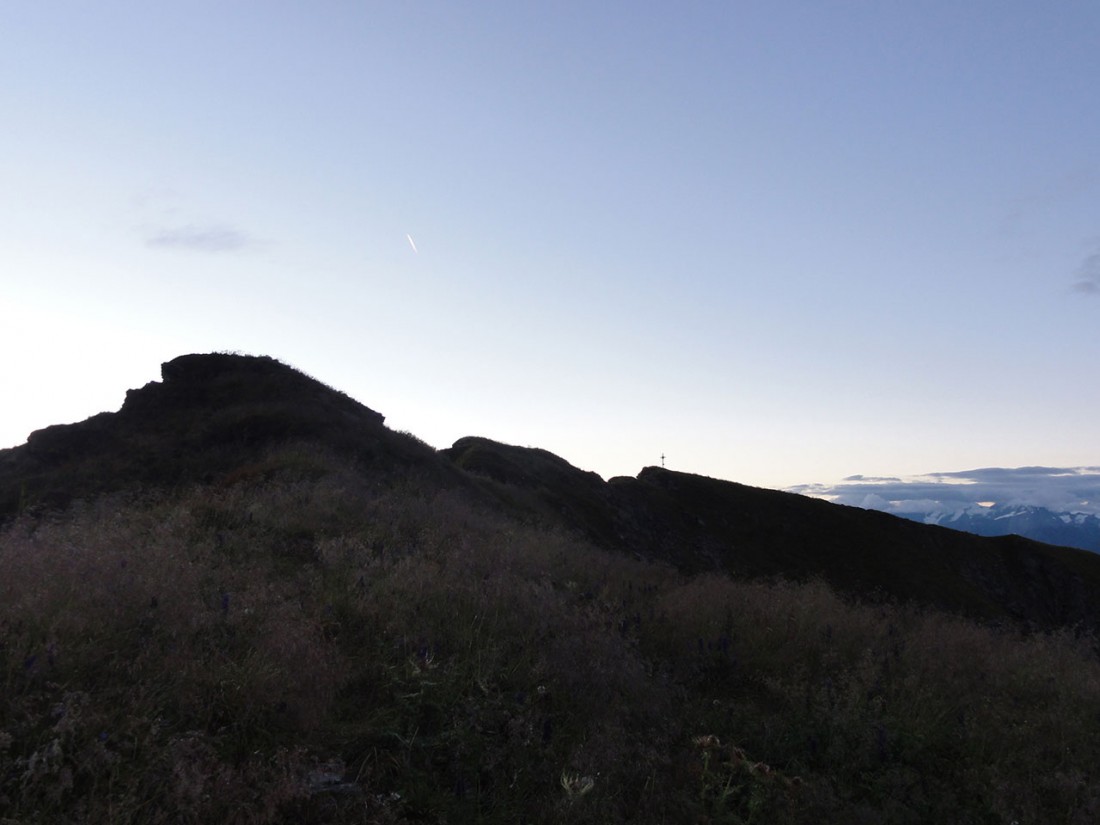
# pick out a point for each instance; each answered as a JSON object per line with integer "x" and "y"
{"x": 242, "y": 599}
{"x": 699, "y": 524}
{"x": 304, "y": 646}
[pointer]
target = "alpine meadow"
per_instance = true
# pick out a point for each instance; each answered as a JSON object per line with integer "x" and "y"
{"x": 243, "y": 599}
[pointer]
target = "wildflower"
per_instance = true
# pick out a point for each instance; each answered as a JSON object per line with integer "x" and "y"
{"x": 707, "y": 742}
{"x": 422, "y": 660}
{"x": 576, "y": 785}
{"x": 881, "y": 743}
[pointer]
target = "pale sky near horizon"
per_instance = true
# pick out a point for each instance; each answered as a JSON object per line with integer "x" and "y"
{"x": 778, "y": 242}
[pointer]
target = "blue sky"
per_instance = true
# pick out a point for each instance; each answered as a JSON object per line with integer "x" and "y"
{"x": 779, "y": 243}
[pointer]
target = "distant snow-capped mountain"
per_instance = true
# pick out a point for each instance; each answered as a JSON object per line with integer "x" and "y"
{"x": 1065, "y": 529}
{"x": 1056, "y": 505}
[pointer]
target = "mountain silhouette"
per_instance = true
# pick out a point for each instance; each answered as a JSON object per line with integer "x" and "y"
{"x": 213, "y": 418}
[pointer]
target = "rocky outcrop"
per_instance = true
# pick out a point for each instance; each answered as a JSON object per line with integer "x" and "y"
{"x": 209, "y": 414}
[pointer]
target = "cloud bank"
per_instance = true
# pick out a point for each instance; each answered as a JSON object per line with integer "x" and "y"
{"x": 1061, "y": 489}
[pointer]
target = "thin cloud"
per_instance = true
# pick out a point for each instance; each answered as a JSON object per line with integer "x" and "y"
{"x": 197, "y": 238}
{"x": 1047, "y": 195}
{"x": 1088, "y": 275}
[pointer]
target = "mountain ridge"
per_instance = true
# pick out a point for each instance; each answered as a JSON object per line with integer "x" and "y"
{"x": 212, "y": 417}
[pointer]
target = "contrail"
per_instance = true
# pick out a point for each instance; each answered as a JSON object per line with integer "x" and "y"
{"x": 413, "y": 245}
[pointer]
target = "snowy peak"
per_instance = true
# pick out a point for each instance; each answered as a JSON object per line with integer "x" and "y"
{"x": 1065, "y": 529}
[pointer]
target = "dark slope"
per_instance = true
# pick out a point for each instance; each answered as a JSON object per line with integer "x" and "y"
{"x": 764, "y": 532}
{"x": 700, "y": 523}
{"x": 209, "y": 416}
{"x": 539, "y": 485}
{"x": 214, "y": 416}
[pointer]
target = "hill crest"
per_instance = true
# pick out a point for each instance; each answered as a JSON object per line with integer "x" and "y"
{"x": 212, "y": 415}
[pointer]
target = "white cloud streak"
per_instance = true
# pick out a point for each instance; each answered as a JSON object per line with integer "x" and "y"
{"x": 1062, "y": 489}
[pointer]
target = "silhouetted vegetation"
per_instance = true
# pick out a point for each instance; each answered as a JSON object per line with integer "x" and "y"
{"x": 326, "y": 635}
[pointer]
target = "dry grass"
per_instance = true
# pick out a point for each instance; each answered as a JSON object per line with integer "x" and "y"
{"x": 300, "y": 645}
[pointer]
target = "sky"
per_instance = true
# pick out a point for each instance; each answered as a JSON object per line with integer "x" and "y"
{"x": 781, "y": 243}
